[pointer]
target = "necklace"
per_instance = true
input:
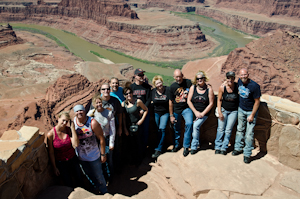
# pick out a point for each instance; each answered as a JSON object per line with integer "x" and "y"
{"x": 201, "y": 88}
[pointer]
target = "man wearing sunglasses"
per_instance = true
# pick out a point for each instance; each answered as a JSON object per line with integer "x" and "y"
{"x": 142, "y": 91}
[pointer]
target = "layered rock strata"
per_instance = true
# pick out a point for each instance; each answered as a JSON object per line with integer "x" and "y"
{"x": 8, "y": 36}
{"x": 290, "y": 8}
{"x": 273, "y": 62}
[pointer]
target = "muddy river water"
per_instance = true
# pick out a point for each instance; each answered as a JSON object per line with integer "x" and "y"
{"x": 82, "y": 47}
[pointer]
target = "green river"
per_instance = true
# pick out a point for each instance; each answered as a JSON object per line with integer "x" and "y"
{"x": 82, "y": 47}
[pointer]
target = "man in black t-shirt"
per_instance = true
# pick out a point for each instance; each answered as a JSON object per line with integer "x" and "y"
{"x": 142, "y": 91}
{"x": 179, "y": 108}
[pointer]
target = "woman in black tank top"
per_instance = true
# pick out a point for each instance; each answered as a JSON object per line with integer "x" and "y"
{"x": 228, "y": 101}
{"x": 200, "y": 100}
{"x": 132, "y": 108}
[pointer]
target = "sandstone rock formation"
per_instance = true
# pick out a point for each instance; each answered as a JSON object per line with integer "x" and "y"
{"x": 289, "y": 8}
{"x": 273, "y": 62}
{"x": 8, "y": 36}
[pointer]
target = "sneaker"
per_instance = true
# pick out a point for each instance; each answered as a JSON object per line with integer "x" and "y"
{"x": 217, "y": 151}
{"x": 186, "y": 152}
{"x": 193, "y": 152}
{"x": 223, "y": 152}
{"x": 235, "y": 152}
{"x": 247, "y": 160}
{"x": 156, "y": 154}
{"x": 175, "y": 149}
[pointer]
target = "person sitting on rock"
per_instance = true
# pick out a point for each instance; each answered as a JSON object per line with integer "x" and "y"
{"x": 62, "y": 141}
{"x": 90, "y": 156}
{"x": 227, "y": 106}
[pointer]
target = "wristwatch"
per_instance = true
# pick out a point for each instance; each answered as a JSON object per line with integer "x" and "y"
{"x": 103, "y": 155}
{"x": 171, "y": 115}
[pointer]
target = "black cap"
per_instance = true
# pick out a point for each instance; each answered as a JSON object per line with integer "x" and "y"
{"x": 138, "y": 71}
{"x": 230, "y": 74}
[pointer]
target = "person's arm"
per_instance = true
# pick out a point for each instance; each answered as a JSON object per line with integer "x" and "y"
{"x": 99, "y": 134}
{"x": 51, "y": 151}
{"x": 190, "y": 103}
{"x": 112, "y": 131}
{"x": 148, "y": 97}
{"x": 144, "y": 107}
{"x": 211, "y": 98}
{"x": 74, "y": 138}
{"x": 219, "y": 102}
{"x": 124, "y": 119}
{"x": 172, "y": 117}
{"x": 254, "y": 110}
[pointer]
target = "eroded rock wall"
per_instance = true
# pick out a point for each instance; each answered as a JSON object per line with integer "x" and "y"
{"x": 289, "y": 8}
{"x": 273, "y": 62}
{"x": 8, "y": 36}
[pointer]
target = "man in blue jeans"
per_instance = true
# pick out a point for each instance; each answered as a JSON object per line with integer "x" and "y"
{"x": 249, "y": 101}
{"x": 179, "y": 108}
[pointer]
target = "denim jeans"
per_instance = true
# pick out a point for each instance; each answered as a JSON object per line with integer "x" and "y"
{"x": 161, "y": 122}
{"x": 187, "y": 114}
{"x": 245, "y": 132}
{"x": 93, "y": 171}
{"x": 144, "y": 129}
{"x": 196, "y": 132}
{"x": 224, "y": 129}
{"x": 108, "y": 165}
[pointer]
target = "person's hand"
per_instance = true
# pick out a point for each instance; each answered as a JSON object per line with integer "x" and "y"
{"x": 56, "y": 171}
{"x": 221, "y": 116}
{"x": 103, "y": 158}
{"x": 120, "y": 131}
{"x": 250, "y": 118}
{"x": 72, "y": 125}
{"x": 173, "y": 119}
{"x": 126, "y": 132}
{"x": 199, "y": 114}
{"x": 111, "y": 148}
{"x": 139, "y": 123}
{"x": 141, "y": 112}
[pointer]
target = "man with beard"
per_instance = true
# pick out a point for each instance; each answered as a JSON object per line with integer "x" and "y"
{"x": 249, "y": 101}
{"x": 179, "y": 108}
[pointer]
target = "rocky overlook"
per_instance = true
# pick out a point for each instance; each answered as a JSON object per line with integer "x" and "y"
{"x": 290, "y": 8}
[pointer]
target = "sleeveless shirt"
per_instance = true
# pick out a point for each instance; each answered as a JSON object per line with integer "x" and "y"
{"x": 63, "y": 150}
{"x": 230, "y": 101}
{"x": 200, "y": 101}
{"x": 88, "y": 149}
{"x": 133, "y": 113}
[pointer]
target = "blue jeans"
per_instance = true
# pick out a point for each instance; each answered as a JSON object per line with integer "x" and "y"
{"x": 224, "y": 129}
{"x": 187, "y": 114}
{"x": 245, "y": 132}
{"x": 108, "y": 165}
{"x": 144, "y": 129}
{"x": 93, "y": 171}
{"x": 196, "y": 132}
{"x": 161, "y": 122}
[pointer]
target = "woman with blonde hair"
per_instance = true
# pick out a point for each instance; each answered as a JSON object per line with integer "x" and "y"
{"x": 106, "y": 119}
{"x": 200, "y": 100}
{"x": 62, "y": 141}
{"x": 160, "y": 100}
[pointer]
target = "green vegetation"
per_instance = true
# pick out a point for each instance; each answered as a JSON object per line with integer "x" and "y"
{"x": 97, "y": 54}
{"x": 174, "y": 64}
{"x": 168, "y": 80}
{"x": 69, "y": 32}
{"x": 33, "y": 30}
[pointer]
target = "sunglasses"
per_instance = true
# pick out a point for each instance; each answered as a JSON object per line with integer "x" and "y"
{"x": 103, "y": 89}
{"x": 141, "y": 75}
{"x": 198, "y": 78}
{"x": 128, "y": 93}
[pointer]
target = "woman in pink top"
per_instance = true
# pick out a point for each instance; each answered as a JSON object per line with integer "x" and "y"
{"x": 62, "y": 141}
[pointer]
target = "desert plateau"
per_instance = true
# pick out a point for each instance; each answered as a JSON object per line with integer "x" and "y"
{"x": 55, "y": 54}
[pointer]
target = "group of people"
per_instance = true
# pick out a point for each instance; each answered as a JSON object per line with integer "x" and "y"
{"x": 94, "y": 140}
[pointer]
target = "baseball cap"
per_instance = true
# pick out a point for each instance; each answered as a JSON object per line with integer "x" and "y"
{"x": 138, "y": 71}
{"x": 78, "y": 107}
{"x": 230, "y": 74}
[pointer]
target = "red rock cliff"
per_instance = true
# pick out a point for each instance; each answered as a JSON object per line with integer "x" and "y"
{"x": 273, "y": 62}
{"x": 8, "y": 36}
{"x": 289, "y": 8}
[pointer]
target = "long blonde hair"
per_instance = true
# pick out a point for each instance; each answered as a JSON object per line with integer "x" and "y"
{"x": 203, "y": 74}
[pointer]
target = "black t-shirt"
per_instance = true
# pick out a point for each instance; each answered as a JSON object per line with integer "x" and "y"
{"x": 179, "y": 93}
{"x": 230, "y": 101}
{"x": 142, "y": 92}
{"x": 200, "y": 101}
{"x": 161, "y": 102}
{"x": 248, "y": 92}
